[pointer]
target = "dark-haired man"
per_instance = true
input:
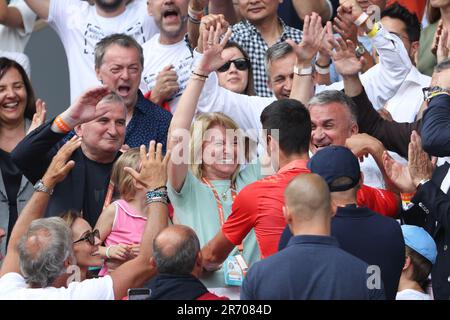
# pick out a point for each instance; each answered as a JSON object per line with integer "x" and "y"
{"x": 259, "y": 205}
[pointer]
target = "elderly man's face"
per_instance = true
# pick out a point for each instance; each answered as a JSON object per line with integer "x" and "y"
{"x": 121, "y": 72}
{"x": 331, "y": 124}
{"x": 257, "y": 10}
{"x": 104, "y": 136}
{"x": 281, "y": 75}
{"x": 170, "y": 16}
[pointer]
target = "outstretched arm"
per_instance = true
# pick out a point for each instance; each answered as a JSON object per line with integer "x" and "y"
{"x": 306, "y": 50}
{"x": 178, "y": 140}
{"x": 35, "y": 208}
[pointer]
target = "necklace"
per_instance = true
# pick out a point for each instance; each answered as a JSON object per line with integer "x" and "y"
{"x": 224, "y": 194}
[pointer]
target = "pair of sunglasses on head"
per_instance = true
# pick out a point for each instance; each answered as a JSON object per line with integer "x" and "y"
{"x": 89, "y": 237}
{"x": 240, "y": 64}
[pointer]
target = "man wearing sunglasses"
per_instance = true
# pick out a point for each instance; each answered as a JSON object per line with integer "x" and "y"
{"x": 40, "y": 251}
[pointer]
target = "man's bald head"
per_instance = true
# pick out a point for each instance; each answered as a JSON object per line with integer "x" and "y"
{"x": 307, "y": 197}
{"x": 175, "y": 250}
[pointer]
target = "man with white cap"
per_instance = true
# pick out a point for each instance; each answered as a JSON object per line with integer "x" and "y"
{"x": 420, "y": 257}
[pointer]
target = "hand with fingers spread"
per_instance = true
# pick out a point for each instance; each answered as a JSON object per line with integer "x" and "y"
{"x": 39, "y": 116}
{"x": 343, "y": 24}
{"x": 398, "y": 174}
{"x": 166, "y": 85}
{"x": 153, "y": 172}
{"x": 60, "y": 165}
{"x": 313, "y": 33}
{"x": 213, "y": 55}
{"x": 344, "y": 58}
{"x": 207, "y": 22}
{"x": 87, "y": 107}
{"x": 419, "y": 164}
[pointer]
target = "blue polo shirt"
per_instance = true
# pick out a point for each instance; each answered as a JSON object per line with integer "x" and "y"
{"x": 310, "y": 267}
{"x": 149, "y": 122}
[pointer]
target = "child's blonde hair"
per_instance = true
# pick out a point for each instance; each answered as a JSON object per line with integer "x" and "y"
{"x": 123, "y": 181}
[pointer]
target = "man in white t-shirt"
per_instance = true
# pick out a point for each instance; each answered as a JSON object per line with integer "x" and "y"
{"x": 40, "y": 250}
{"x": 81, "y": 25}
{"x": 167, "y": 55}
{"x": 16, "y": 24}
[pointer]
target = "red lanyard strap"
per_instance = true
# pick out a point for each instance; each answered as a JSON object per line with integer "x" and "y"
{"x": 220, "y": 206}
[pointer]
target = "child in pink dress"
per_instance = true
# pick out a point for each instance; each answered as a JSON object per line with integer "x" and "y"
{"x": 122, "y": 223}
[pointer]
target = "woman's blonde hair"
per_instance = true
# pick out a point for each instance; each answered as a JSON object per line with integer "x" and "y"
{"x": 203, "y": 123}
{"x": 123, "y": 181}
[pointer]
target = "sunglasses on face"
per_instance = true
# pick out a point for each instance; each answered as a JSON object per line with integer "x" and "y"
{"x": 240, "y": 64}
{"x": 90, "y": 237}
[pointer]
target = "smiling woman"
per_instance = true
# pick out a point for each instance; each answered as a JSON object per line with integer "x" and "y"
{"x": 17, "y": 107}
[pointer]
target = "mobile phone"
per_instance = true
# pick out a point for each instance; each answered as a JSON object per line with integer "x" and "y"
{"x": 139, "y": 293}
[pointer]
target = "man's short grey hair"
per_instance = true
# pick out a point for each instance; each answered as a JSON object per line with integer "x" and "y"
{"x": 182, "y": 261}
{"x": 51, "y": 239}
{"x": 113, "y": 97}
{"x": 334, "y": 96}
{"x": 119, "y": 39}
{"x": 277, "y": 51}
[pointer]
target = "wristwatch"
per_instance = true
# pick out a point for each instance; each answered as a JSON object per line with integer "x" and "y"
{"x": 360, "y": 50}
{"x": 41, "y": 187}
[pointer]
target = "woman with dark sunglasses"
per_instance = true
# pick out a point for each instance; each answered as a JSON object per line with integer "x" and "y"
{"x": 85, "y": 242}
{"x": 236, "y": 75}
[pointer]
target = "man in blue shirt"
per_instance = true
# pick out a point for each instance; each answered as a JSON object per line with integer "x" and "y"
{"x": 312, "y": 266}
{"x": 119, "y": 62}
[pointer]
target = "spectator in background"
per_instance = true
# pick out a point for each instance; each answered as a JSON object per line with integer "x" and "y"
{"x": 177, "y": 257}
{"x": 293, "y": 12}
{"x": 312, "y": 267}
{"x": 420, "y": 256}
{"x": 119, "y": 60}
{"x": 416, "y": 7}
{"x": 17, "y": 107}
{"x": 41, "y": 251}
{"x": 237, "y": 74}
{"x": 406, "y": 103}
{"x": 81, "y": 25}
{"x": 16, "y": 24}
{"x": 355, "y": 227}
{"x": 260, "y": 29}
{"x": 438, "y": 18}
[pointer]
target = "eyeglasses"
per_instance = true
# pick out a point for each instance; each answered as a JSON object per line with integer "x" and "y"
{"x": 90, "y": 237}
{"x": 240, "y": 64}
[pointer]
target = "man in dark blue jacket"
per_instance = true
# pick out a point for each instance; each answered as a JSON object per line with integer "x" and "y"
{"x": 373, "y": 238}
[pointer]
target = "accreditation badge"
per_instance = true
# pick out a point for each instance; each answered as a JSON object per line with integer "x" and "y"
{"x": 234, "y": 269}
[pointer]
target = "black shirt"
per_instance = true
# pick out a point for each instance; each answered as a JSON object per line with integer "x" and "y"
{"x": 97, "y": 176}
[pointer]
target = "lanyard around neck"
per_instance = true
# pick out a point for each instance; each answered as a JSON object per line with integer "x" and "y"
{"x": 219, "y": 203}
